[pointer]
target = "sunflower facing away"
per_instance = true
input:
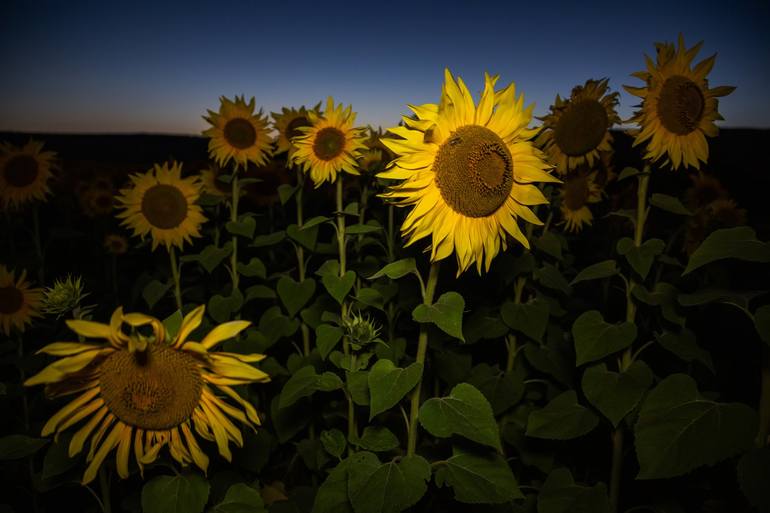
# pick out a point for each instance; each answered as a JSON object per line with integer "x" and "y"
{"x": 18, "y": 302}
{"x": 237, "y": 133}
{"x": 678, "y": 109}
{"x": 287, "y": 123}
{"x": 577, "y": 192}
{"x": 468, "y": 170}
{"x": 330, "y": 145}
{"x": 141, "y": 391}
{"x": 577, "y": 129}
{"x": 376, "y": 155}
{"x": 162, "y": 203}
{"x": 24, "y": 173}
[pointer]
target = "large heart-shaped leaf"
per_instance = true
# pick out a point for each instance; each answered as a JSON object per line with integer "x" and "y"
{"x": 183, "y": 493}
{"x": 616, "y": 394}
{"x": 595, "y": 339}
{"x": 562, "y": 419}
{"x": 339, "y": 286}
{"x": 389, "y": 384}
{"x": 388, "y": 487}
{"x": 446, "y": 313}
{"x": 740, "y": 242}
{"x": 479, "y": 478}
{"x": 295, "y": 295}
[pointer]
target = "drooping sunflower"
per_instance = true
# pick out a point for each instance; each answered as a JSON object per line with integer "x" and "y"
{"x": 24, "y": 173}
{"x": 578, "y": 129}
{"x": 19, "y": 303}
{"x": 162, "y": 203}
{"x": 469, "y": 171}
{"x": 678, "y": 109}
{"x": 142, "y": 390}
{"x": 577, "y": 192}
{"x": 237, "y": 133}
{"x": 331, "y": 145}
{"x": 288, "y": 122}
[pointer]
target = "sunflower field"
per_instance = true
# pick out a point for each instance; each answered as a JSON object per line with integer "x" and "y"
{"x": 475, "y": 310}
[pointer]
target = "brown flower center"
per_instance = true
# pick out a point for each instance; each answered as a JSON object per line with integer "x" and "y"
{"x": 164, "y": 206}
{"x": 155, "y": 389}
{"x": 21, "y": 170}
{"x": 240, "y": 133}
{"x": 581, "y": 127}
{"x": 474, "y": 171}
{"x": 576, "y": 192}
{"x": 329, "y": 143}
{"x": 11, "y": 300}
{"x": 681, "y": 105}
{"x": 292, "y": 129}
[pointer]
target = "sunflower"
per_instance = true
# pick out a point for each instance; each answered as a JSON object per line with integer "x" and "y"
{"x": 577, "y": 129}
{"x": 212, "y": 185}
{"x": 720, "y": 213}
{"x": 24, "y": 173}
{"x": 288, "y": 122}
{"x": 237, "y": 133}
{"x": 330, "y": 145}
{"x": 678, "y": 109}
{"x": 97, "y": 202}
{"x": 469, "y": 172}
{"x": 376, "y": 155}
{"x": 18, "y": 302}
{"x": 577, "y": 192}
{"x": 161, "y": 203}
{"x": 143, "y": 390}
{"x": 115, "y": 244}
{"x": 705, "y": 189}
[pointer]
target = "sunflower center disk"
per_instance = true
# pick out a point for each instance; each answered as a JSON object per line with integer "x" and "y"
{"x": 164, "y": 206}
{"x": 681, "y": 105}
{"x": 292, "y": 129}
{"x": 240, "y": 133}
{"x": 581, "y": 127}
{"x": 576, "y": 192}
{"x": 329, "y": 143}
{"x": 156, "y": 389}
{"x": 21, "y": 170}
{"x": 474, "y": 171}
{"x": 11, "y": 299}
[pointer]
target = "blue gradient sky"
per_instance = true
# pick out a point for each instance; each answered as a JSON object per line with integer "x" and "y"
{"x": 138, "y": 67}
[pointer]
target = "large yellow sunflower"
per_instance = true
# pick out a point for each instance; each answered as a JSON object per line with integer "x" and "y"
{"x": 678, "y": 109}
{"x": 578, "y": 129}
{"x": 330, "y": 145}
{"x": 24, "y": 173}
{"x": 237, "y": 133}
{"x": 18, "y": 302}
{"x": 142, "y": 391}
{"x": 288, "y": 122}
{"x": 162, "y": 203}
{"x": 469, "y": 172}
{"x": 577, "y": 192}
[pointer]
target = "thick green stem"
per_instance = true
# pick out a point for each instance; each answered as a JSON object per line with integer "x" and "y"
{"x": 236, "y": 194}
{"x": 341, "y": 250}
{"x": 104, "y": 488}
{"x": 763, "y": 434}
{"x": 617, "y": 466}
{"x": 511, "y": 340}
{"x": 175, "y": 276}
{"x": 301, "y": 259}
{"x": 391, "y": 234}
{"x": 422, "y": 349}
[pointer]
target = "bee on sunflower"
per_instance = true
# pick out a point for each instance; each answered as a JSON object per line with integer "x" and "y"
{"x": 24, "y": 173}
{"x": 237, "y": 133}
{"x": 678, "y": 108}
{"x": 142, "y": 390}
{"x": 19, "y": 303}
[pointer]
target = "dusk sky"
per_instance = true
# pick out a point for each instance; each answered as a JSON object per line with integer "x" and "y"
{"x": 145, "y": 67}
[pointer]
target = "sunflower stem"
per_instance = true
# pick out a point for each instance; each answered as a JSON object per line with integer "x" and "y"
{"x": 175, "y": 276}
{"x": 763, "y": 434}
{"x": 391, "y": 234}
{"x": 38, "y": 245}
{"x": 422, "y": 349}
{"x": 25, "y": 418}
{"x": 104, "y": 488}
{"x": 301, "y": 259}
{"x": 234, "y": 218}
{"x": 511, "y": 342}
{"x": 341, "y": 250}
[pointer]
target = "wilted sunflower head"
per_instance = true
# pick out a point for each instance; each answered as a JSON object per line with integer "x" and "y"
{"x": 469, "y": 172}
{"x": 65, "y": 297}
{"x": 237, "y": 133}
{"x": 678, "y": 109}
{"x": 144, "y": 388}
{"x": 24, "y": 173}
{"x": 577, "y": 192}
{"x": 19, "y": 303}
{"x": 162, "y": 203}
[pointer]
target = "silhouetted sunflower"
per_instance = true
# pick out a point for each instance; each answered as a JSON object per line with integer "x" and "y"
{"x": 468, "y": 171}
{"x": 577, "y": 192}
{"x": 376, "y": 155}
{"x": 18, "y": 302}
{"x": 719, "y": 214}
{"x": 24, "y": 173}
{"x": 678, "y": 109}
{"x": 287, "y": 123}
{"x": 115, "y": 244}
{"x": 212, "y": 185}
{"x": 237, "y": 133}
{"x": 142, "y": 392}
{"x": 162, "y": 203}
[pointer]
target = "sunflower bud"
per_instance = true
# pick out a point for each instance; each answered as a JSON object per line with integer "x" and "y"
{"x": 361, "y": 330}
{"x": 64, "y": 297}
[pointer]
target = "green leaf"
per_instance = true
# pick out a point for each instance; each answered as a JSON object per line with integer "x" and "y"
{"x": 665, "y": 296}
{"x": 549, "y": 244}
{"x": 222, "y": 308}
{"x": 466, "y": 412}
{"x": 241, "y": 498}
{"x": 740, "y": 299}
{"x": 753, "y": 469}
{"x": 306, "y": 382}
{"x": 295, "y": 295}
{"x": 212, "y": 256}
{"x": 531, "y": 318}
{"x": 274, "y": 325}
{"x": 378, "y": 439}
{"x": 549, "y": 276}
{"x": 362, "y": 229}
{"x": 57, "y": 460}
{"x": 397, "y": 269}
{"x": 357, "y": 384}
{"x": 154, "y": 292}
{"x": 14, "y": 447}
{"x": 244, "y": 227}
{"x": 669, "y": 204}
{"x": 389, "y": 384}
{"x": 327, "y": 338}
{"x": 684, "y": 345}
{"x": 560, "y": 494}
{"x": 271, "y": 239}
{"x": 597, "y": 271}
{"x": 332, "y": 496}
{"x": 762, "y": 322}
{"x": 351, "y": 209}
{"x": 334, "y": 442}
{"x": 372, "y": 297}
{"x": 479, "y": 478}
{"x": 259, "y": 292}
{"x": 679, "y": 430}
{"x": 254, "y": 269}
{"x": 288, "y": 421}
{"x": 502, "y": 389}
{"x": 339, "y": 287}
{"x": 595, "y": 339}
{"x": 306, "y": 237}
{"x": 484, "y": 323}
{"x": 562, "y": 419}
{"x": 315, "y": 221}
{"x": 388, "y": 487}
{"x": 446, "y": 313}
{"x": 640, "y": 258}
{"x": 286, "y": 191}
{"x": 628, "y": 172}
{"x": 172, "y": 323}
{"x": 183, "y": 493}
{"x": 616, "y": 394}
{"x": 740, "y": 242}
